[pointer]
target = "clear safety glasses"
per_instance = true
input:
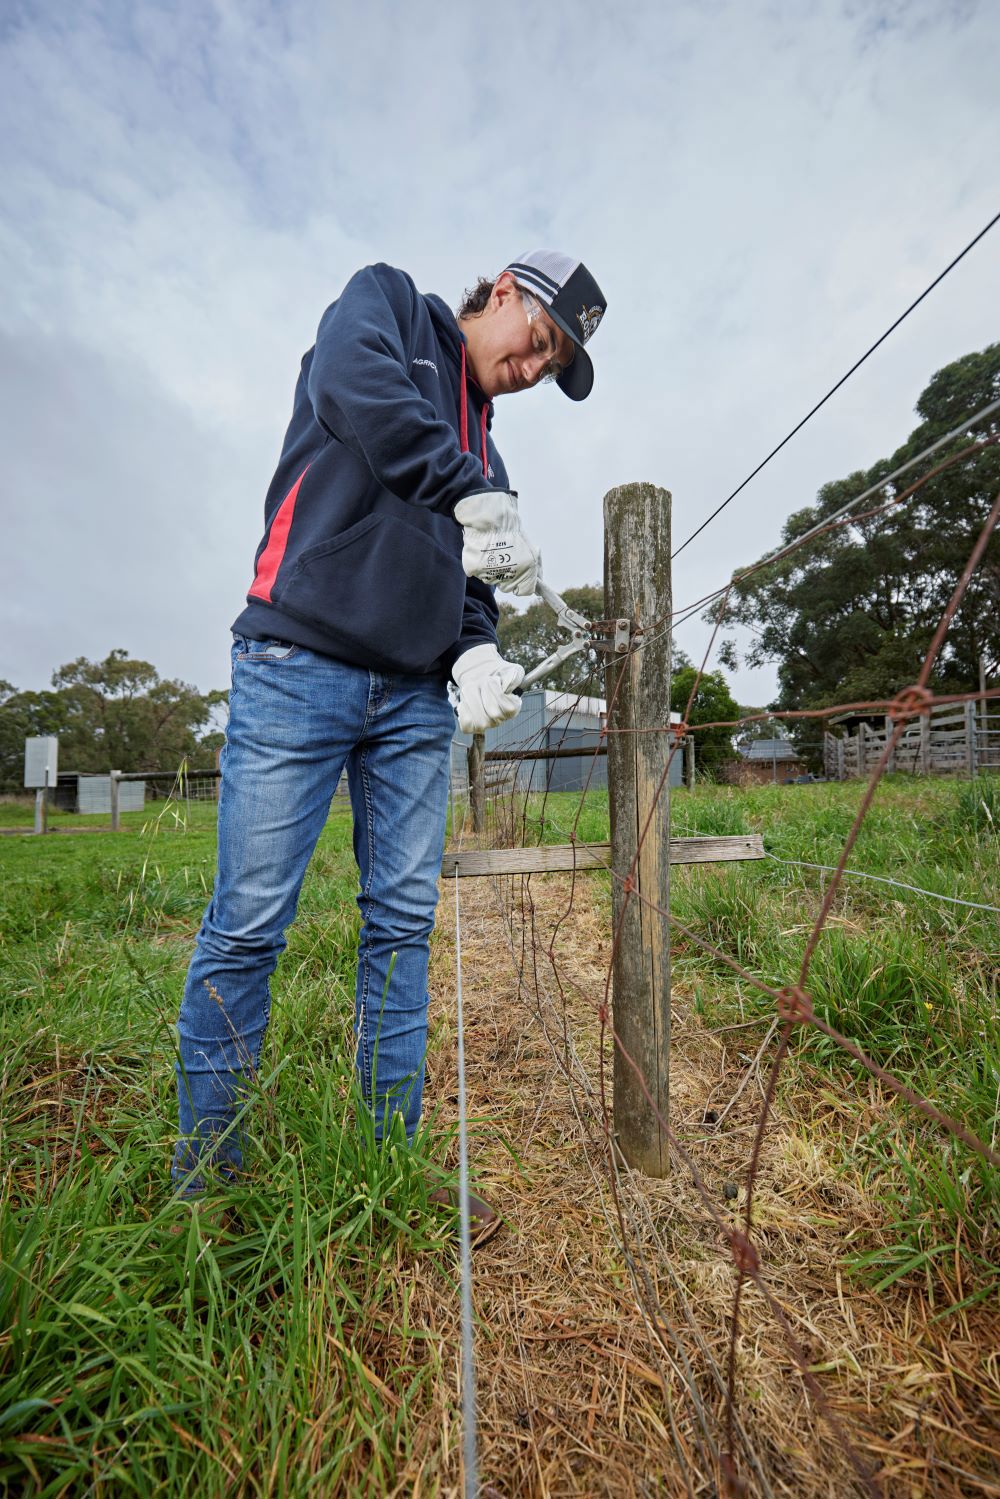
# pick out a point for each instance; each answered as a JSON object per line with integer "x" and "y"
{"x": 542, "y": 338}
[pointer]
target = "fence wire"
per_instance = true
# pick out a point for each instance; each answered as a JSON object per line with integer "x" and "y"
{"x": 712, "y": 1437}
{"x": 842, "y": 381}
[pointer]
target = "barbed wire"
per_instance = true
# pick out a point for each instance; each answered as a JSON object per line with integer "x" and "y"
{"x": 870, "y": 706}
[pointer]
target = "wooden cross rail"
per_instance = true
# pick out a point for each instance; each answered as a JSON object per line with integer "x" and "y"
{"x": 551, "y": 858}
{"x": 573, "y": 752}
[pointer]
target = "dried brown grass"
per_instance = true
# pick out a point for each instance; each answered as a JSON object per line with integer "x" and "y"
{"x": 601, "y": 1369}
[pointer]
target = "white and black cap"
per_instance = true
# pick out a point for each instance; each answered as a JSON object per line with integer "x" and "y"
{"x": 573, "y": 300}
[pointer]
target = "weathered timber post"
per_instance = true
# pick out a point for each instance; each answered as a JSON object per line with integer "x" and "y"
{"x": 637, "y": 588}
{"x": 451, "y": 790}
{"x": 116, "y": 781}
{"x": 925, "y": 744}
{"x": 477, "y": 781}
{"x": 890, "y": 729}
{"x": 970, "y": 738}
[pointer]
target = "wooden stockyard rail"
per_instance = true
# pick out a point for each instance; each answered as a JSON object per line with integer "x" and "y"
{"x": 552, "y": 858}
{"x": 953, "y": 739}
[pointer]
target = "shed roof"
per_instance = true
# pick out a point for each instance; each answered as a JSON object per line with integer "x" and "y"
{"x": 772, "y": 750}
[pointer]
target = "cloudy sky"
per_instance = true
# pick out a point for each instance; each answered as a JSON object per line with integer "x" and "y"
{"x": 760, "y": 186}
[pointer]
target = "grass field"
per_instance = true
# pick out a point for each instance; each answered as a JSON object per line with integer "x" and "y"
{"x": 287, "y": 1358}
{"x": 142, "y": 1360}
{"x": 914, "y": 981}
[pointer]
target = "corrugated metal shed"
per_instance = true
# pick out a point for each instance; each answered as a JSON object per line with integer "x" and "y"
{"x": 555, "y": 720}
{"x": 772, "y": 750}
{"x": 93, "y": 795}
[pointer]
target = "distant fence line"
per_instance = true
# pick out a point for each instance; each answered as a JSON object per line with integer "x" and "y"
{"x": 953, "y": 739}
{"x": 117, "y": 791}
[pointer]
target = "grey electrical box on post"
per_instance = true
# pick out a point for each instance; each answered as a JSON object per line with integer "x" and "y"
{"x": 41, "y": 761}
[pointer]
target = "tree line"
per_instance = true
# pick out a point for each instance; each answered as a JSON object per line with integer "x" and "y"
{"x": 846, "y": 617}
{"x": 850, "y": 615}
{"x": 112, "y": 714}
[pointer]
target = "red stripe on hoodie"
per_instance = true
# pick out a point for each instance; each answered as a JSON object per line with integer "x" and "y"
{"x": 463, "y": 418}
{"x": 273, "y": 554}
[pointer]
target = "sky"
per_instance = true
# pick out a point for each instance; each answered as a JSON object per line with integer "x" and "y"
{"x": 759, "y": 188}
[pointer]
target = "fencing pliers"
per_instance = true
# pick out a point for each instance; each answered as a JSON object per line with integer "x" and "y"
{"x": 611, "y": 636}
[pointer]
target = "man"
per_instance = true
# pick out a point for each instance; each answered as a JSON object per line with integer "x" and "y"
{"x": 389, "y": 522}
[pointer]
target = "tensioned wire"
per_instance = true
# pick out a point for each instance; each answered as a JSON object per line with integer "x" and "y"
{"x": 857, "y": 874}
{"x": 860, "y": 874}
{"x": 681, "y": 616}
{"x": 743, "y": 1271}
{"x": 468, "y": 1367}
{"x": 833, "y": 389}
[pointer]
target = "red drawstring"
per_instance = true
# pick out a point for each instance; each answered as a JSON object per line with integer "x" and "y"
{"x": 463, "y": 415}
{"x": 463, "y": 418}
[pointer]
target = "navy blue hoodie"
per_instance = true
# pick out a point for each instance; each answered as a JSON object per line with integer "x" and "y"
{"x": 361, "y": 556}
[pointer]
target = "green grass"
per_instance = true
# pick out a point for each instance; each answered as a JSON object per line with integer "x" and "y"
{"x": 19, "y": 812}
{"x": 134, "y": 1359}
{"x": 289, "y": 1357}
{"x": 913, "y": 981}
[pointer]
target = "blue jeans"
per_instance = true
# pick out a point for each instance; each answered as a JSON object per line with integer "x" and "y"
{"x": 296, "y": 719}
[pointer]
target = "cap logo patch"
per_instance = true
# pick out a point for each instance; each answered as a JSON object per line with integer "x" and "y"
{"x": 588, "y": 318}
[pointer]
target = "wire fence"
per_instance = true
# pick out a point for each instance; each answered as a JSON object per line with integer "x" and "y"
{"x": 842, "y": 381}
{"x": 704, "y": 1362}
{"x": 703, "y": 1367}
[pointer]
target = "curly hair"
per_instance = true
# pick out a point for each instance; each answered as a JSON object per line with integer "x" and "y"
{"x": 475, "y": 298}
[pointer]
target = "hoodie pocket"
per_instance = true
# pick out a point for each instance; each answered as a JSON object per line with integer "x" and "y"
{"x": 382, "y": 588}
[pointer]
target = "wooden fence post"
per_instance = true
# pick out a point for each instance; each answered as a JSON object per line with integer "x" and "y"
{"x": 890, "y": 729}
{"x": 637, "y": 587}
{"x": 116, "y": 782}
{"x": 925, "y": 744}
{"x": 971, "y": 758}
{"x": 477, "y": 781}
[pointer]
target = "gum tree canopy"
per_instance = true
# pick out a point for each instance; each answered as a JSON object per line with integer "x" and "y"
{"x": 112, "y": 714}
{"x": 850, "y": 615}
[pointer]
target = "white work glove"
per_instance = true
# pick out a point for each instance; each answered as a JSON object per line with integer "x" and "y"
{"x": 494, "y": 548}
{"x": 485, "y": 683}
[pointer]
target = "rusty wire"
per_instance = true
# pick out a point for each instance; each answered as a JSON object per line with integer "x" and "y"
{"x": 793, "y": 1007}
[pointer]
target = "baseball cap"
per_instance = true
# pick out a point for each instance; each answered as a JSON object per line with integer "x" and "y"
{"x": 573, "y": 300}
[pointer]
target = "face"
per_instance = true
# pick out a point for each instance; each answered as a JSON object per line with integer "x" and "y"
{"x": 510, "y": 350}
